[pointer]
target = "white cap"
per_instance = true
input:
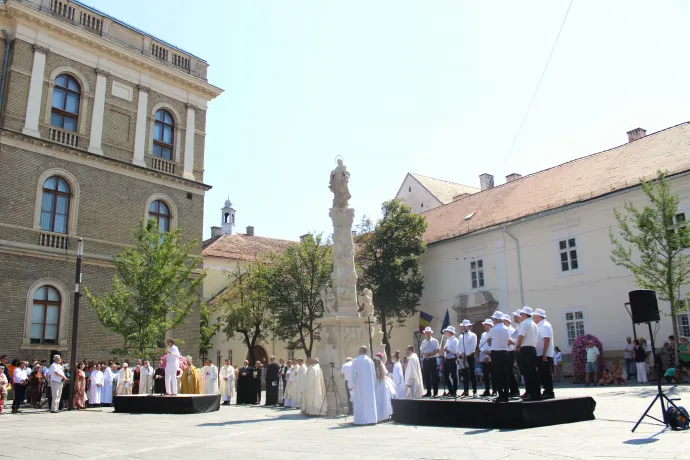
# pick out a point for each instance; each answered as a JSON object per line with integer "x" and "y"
{"x": 540, "y": 312}
{"x": 517, "y": 313}
{"x": 497, "y": 315}
{"x": 527, "y": 311}
{"x": 428, "y": 329}
{"x": 466, "y": 323}
{"x": 488, "y": 322}
{"x": 506, "y": 317}
{"x": 449, "y": 329}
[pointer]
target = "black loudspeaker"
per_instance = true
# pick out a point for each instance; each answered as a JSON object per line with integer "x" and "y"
{"x": 643, "y": 306}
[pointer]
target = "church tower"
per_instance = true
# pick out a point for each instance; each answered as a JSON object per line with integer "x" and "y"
{"x": 227, "y": 218}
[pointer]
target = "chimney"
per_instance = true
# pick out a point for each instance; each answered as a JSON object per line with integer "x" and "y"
{"x": 354, "y": 233}
{"x": 250, "y": 231}
{"x": 636, "y": 134}
{"x": 303, "y": 237}
{"x": 512, "y": 177}
{"x": 460, "y": 197}
{"x": 486, "y": 181}
{"x": 216, "y": 231}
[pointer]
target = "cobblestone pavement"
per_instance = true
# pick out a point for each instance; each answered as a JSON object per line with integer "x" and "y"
{"x": 259, "y": 433}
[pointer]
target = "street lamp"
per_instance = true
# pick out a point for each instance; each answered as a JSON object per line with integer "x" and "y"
{"x": 418, "y": 338}
{"x": 370, "y": 321}
{"x": 75, "y": 323}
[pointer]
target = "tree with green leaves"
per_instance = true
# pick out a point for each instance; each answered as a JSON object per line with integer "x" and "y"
{"x": 301, "y": 274}
{"x": 207, "y": 330}
{"x": 387, "y": 258}
{"x": 156, "y": 286}
{"x": 652, "y": 244}
{"x": 245, "y": 304}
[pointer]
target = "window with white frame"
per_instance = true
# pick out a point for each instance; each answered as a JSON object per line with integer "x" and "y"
{"x": 477, "y": 273}
{"x": 568, "y": 255}
{"x": 575, "y": 325}
{"x": 683, "y": 324}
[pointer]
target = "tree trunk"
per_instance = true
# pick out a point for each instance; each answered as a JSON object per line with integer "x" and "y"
{"x": 386, "y": 344}
{"x": 676, "y": 342}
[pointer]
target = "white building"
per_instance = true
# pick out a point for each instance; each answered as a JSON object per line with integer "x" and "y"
{"x": 543, "y": 240}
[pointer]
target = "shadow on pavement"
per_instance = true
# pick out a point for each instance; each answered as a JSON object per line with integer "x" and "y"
{"x": 244, "y": 422}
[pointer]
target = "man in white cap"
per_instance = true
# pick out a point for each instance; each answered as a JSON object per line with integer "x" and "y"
{"x": 429, "y": 350}
{"x": 468, "y": 345}
{"x": 498, "y": 338}
{"x": 485, "y": 359}
{"x": 450, "y": 366}
{"x": 512, "y": 380}
{"x": 517, "y": 317}
{"x": 527, "y": 347}
{"x": 545, "y": 350}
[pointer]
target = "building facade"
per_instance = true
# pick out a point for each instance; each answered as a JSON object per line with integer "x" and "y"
{"x": 542, "y": 240}
{"x": 102, "y": 125}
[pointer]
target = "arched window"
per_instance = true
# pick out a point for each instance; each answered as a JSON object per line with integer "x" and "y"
{"x": 55, "y": 205}
{"x": 161, "y": 212}
{"x": 45, "y": 316}
{"x": 227, "y": 218}
{"x": 163, "y": 129}
{"x": 65, "y": 111}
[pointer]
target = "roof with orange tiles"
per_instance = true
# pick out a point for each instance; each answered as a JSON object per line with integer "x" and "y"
{"x": 573, "y": 182}
{"x": 243, "y": 247}
{"x": 443, "y": 190}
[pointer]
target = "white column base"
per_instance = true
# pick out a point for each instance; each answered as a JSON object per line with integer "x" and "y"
{"x": 95, "y": 150}
{"x": 31, "y": 132}
{"x": 188, "y": 175}
{"x": 138, "y": 162}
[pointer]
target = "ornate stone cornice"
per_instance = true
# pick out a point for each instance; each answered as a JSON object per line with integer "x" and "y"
{"x": 40, "y": 49}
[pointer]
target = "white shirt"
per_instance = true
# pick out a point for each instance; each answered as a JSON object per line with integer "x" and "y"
{"x": 544, "y": 330}
{"x": 511, "y": 347}
{"x": 629, "y": 348}
{"x": 498, "y": 336}
{"x": 557, "y": 358}
{"x": 429, "y": 346}
{"x": 453, "y": 348}
{"x": 467, "y": 343}
{"x": 19, "y": 375}
{"x": 484, "y": 348}
{"x": 528, "y": 331}
{"x": 54, "y": 370}
{"x": 346, "y": 370}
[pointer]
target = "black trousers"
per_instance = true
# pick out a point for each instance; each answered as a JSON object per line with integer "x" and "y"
{"x": 450, "y": 375}
{"x": 512, "y": 379}
{"x": 489, "y": 383}
{"x": 430, "y": 375}
{"x": 349, "y": 398}
{"x": 529, "y": 370}
{"x": 468, "y": 373}
{"x": 545, "y": 376}
{"x": 19, "y": 394}
{"x": 499, "y": 365}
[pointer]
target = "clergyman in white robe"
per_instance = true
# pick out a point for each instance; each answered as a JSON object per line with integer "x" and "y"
{"x": 125, "y": 381}
{"x": 299, "y": 382}
{"x": 227, "y": 382}
{"x": 210, "y": 375}
{"x": 96, "y": 386}
{"x": 290, "y": 386}
{"x": 362, "y": 389}
{"x": 313, "y": 402}
{"x": 145, "y": 379}
{"x": 399, "y": 380}
{"x": 107, "y": 392}
{"x": 413, "y": 376}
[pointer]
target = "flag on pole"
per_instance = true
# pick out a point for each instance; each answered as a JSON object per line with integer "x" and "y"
{"x": 424, "y": 320}
{"x": 446, "y": 321}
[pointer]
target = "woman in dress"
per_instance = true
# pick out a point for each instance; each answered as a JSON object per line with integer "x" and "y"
{"x": 79, "y": 401}
{"x": 398, "y": 376}
{"x": 35, "y": 386}
{"x": 384, "y": 408}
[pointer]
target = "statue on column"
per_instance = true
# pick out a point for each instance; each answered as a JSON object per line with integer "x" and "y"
{"x": 340, "y": 177}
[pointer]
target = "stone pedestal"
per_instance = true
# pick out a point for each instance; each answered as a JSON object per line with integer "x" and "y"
{"x": 344, "y": 275}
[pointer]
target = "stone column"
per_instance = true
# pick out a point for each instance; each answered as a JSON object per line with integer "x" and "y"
{"x": 188, "y": 164}
{"x": 33, "y": 104}
{"x": 140, "y": 130}
{"x": 344, "y": 275}
{"x": 98, "y": 112}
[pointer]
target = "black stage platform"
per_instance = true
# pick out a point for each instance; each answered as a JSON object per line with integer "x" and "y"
{"x": 156, "y": 404}
{"x": 477, "y": 413}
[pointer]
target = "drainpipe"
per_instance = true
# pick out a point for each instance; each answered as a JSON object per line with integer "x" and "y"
{"x": 8, "y": 42}
{"x": 517, "y": 244}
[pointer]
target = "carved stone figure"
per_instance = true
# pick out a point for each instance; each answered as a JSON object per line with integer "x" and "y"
{"x": 328, "y": 299}
{"x": 340, "y": 177}
{"x": 367, "y": 302}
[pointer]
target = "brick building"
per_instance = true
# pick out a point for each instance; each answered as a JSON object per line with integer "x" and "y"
{"x": 102, "y": 125}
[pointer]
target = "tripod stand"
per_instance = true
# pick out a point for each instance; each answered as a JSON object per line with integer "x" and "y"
{"x": 664, "y": 400}
{"x": 332, "y": 384}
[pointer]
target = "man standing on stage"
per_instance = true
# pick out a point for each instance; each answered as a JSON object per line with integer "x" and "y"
{"x": 498, "y": 338}
{"x": 512, "y": 380}
{"x": 468, "y": 345}
{"x": 545, "y": 351}
{"x": 450, "y": 366}
{"x": 429, "y": 350}
{"x": 485, "y": 359}
{"x": 172, "y": 363}
{"x": 526, "y": 346}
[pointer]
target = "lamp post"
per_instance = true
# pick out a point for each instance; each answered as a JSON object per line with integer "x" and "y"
{"x": 75, "y": 323}
{"x": 418, "y": 337}
{"x": 371, "y": 342}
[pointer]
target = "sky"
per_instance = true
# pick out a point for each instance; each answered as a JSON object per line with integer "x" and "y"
{"x": 395, "y": 86}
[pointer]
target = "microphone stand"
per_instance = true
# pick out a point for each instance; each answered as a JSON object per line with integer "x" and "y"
{"x": 464, "y": 365}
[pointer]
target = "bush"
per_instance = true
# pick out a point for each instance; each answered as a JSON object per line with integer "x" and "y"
{"x": 579, "y": 350}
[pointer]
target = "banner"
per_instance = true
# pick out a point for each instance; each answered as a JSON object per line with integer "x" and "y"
{"x": 424, "y": 320}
